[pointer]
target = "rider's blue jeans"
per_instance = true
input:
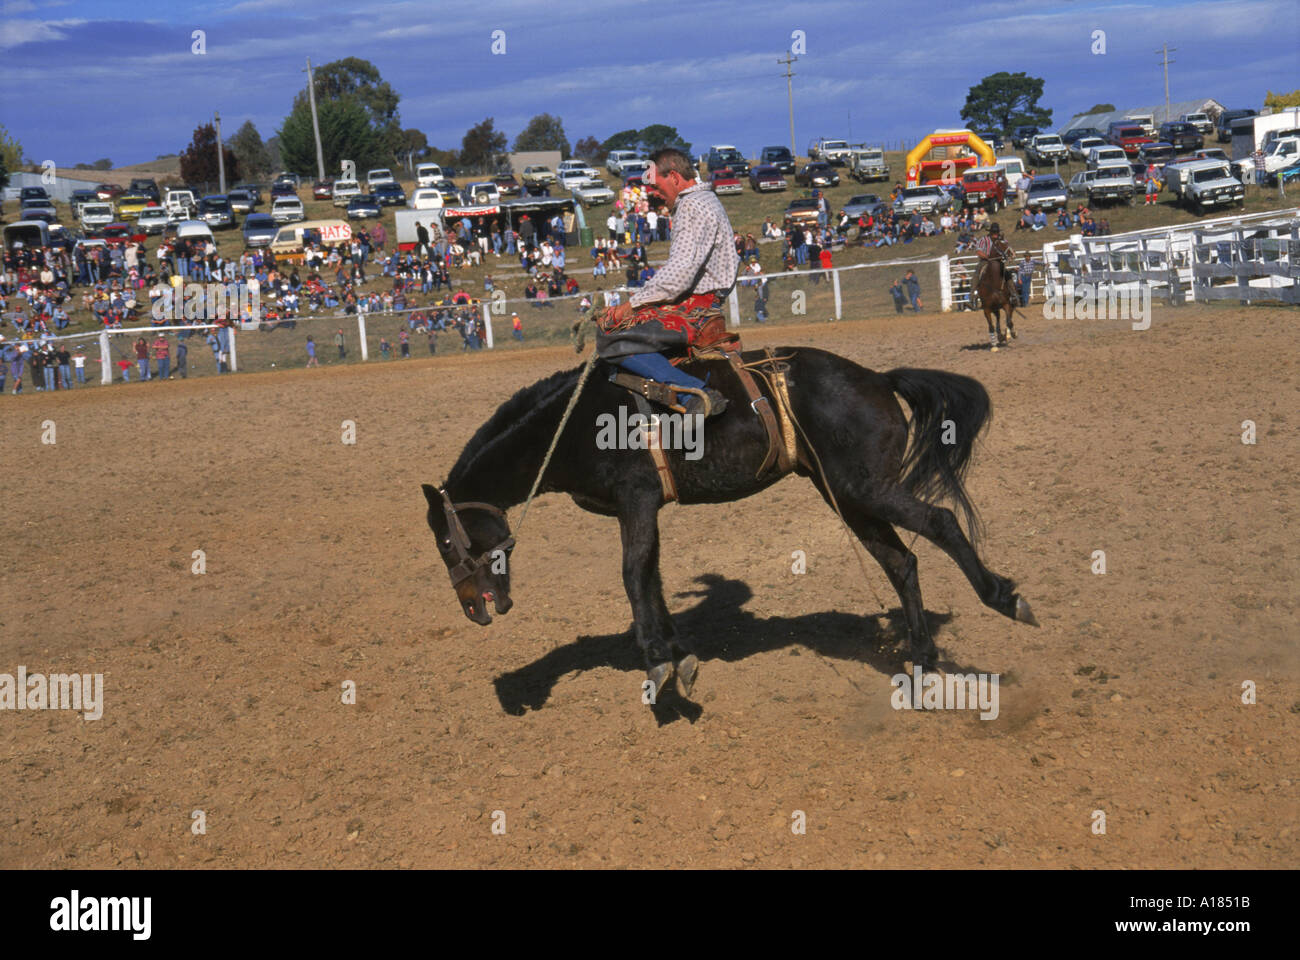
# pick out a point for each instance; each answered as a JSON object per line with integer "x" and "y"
{"x": 655, "y": 366}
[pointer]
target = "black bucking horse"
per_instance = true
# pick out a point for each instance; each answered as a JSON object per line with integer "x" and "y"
{"x": 991, "y": 288}
{"x": 849, "y": 415}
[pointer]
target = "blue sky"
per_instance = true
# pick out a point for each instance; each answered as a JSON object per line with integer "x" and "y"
{"x": 84, "y": 80}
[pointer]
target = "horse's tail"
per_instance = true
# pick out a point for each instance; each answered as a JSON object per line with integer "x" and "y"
{"x": 948, "y": 413}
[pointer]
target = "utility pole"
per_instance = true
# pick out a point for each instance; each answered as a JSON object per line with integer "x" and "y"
{"x": 789, "y": 93}
{"x": 221, "y": 158}
{"x": 315, "y": 124}
{"x": 1164, "y": 51}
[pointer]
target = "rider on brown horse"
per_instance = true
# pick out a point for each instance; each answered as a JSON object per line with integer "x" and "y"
{"x": 992, "y": 246}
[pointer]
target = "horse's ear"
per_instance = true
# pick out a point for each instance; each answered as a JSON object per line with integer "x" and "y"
{"x": 431, "y": 494}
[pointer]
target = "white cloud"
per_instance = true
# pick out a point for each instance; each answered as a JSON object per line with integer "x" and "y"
{"x": 15, "y": 33}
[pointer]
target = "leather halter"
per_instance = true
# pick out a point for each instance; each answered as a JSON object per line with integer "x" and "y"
{"x": 467, "y": 565}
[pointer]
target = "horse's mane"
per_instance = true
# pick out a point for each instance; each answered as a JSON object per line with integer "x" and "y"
{"x": 515, "y": 415}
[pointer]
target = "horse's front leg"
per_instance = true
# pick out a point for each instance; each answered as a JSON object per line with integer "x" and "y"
{"x": 639, "y": 529}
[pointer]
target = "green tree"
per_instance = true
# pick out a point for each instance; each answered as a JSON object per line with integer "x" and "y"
{"x": 1003, "y": 101}
{"x": 589, "y": 149}
{"x": 482, "y": 144}
{"x": 659, "y": 135}
{"x": 544, "y": 132}
{"x": 10, "y": 150}
{"x": 103, "y": 163}
{"x": 199, "y": 161}
{"x": 1101, "y": 108}
{"x": 345, "y": 134}
{"x": 353, "y": 78}
{"x": 412, "y": 143}
{"x": 4, "y": 171}
{"x": 1280, "y": 101}
{"x": 623, "y": 140}
{"x": 248, "y": 147}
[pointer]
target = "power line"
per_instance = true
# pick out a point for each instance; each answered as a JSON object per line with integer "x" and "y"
{"x": 789, "y": 59}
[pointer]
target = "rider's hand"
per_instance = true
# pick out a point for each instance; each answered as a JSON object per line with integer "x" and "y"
{"x": 619, "y": 313}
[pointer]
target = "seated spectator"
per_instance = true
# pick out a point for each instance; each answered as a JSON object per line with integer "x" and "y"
{"x": 1062, "y": 220}
{"x": 1040, "y": 220}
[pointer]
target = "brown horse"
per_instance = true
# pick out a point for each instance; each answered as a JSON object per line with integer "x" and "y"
{"x": 993, "y": 296}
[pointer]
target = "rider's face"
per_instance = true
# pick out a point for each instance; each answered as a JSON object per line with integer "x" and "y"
{"x": 665, "y": 185}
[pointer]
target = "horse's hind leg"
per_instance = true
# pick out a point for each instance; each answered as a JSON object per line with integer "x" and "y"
{"x": 940, "y": 527}
{"x": 899, "y": 564}
{"x": 993, "y": 336}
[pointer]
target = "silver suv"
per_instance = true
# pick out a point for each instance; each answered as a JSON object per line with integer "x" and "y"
{"x": 921, "y": 200}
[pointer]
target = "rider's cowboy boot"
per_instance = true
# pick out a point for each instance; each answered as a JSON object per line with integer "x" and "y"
{"x": 715, "y": 405}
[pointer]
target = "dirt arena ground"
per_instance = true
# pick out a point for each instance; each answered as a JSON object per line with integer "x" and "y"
{"x": 222, "y": 690}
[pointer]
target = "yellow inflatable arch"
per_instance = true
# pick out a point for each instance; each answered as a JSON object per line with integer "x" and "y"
{"x": 932, "y": 170}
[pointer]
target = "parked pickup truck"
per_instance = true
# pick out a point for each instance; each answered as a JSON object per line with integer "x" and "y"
{"x": 1129, "y": 137}
{"x": 180, "y": 204}
{"x": 867, "y": 165}
{"x": 1112, "y": 183}
{"x": 828, "y": 150}
{"x": 1043, "y": 148}
{"x": 1212, "y": 184}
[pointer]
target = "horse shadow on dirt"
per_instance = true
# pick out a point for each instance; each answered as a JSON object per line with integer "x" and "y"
{"x": 723, "y": 630}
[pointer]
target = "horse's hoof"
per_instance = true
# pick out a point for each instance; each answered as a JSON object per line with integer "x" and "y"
{"x": 688, "y": 671}
{"x": 1013, "y": 334}
{"x": 658, "y": 675}
{"x": 1023, "y": 613}
{"x": 994, "y": 348}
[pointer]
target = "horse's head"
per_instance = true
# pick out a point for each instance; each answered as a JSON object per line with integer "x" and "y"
{"x": 475, "y": 542}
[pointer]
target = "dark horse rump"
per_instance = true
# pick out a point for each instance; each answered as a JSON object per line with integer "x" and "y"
{"x": 879, "y": 469}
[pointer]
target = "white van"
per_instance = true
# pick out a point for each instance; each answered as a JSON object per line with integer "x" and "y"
{"x": 1144, "y": 120}
{"x": 1105, "y": 156}
{"x": 375, "y": 177}
{"x": 1013, "y": 168}
{"x": 427, "y": 174}
{"x": 425, "y": 198}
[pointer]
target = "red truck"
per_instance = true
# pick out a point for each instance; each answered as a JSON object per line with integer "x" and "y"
{"x": 985, "y": 187}
{"x": 1129, "y": 137}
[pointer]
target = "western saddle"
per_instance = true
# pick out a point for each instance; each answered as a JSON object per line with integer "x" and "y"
{"x": 715, "y": 342}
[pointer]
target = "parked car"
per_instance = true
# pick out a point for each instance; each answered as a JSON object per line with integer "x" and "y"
{"x": 725, "y": 181}
{"x": 1021, "y": 135}
{"x": 1071, "y": 137}
{"x": 1224, "y": 128}
{"x": 803, "y": 210}
{"x": 287, "y": 210}
{"x": 593, "y": 192}
{"x": 570, "y": 178}
{"x": 389, "y": 194}
{"x": 634, "y": 170}
{"x": 1112, "y": 183}
{"x": 152, "y": 220}
{"x": 108, "y": 191}
{"x": 868, "y": 164}
{"x": 1129, "y": 137}
{"x": 1098, "y": 156}
{"x": 507, "y": 185}
{"x": 147, "y": 186}
{"x": 726, "y": 156}
{"x": 180, "y": 204}
{"x": 79, "y": 197}
{"x": 425, "y": 198}
{"x": 986, "y": 187}
{"x": 538, "y": 175}
{"x": 481, "y": 193}
{"x": 616, "y": 158}
{"x": 96, "y": 214}
{"x": 578, "y": 166}
{"x": 38, "y": 209}
{"x": 1213, "y": 185}
{"x": 323, "y": 190}
{"x": 377, "y": 176}
{"x": 214, "y": 210}
{"x": 363, "y": 206}
{"x": 1158, "y": 153}
{"x": 32, "y": 193}
{"x": 1045, "y": 148}
{"x": 994, "y": 139}
{"x": 766, "y": 178}
{"x": 927, "y": 199}
{"x": 1211, "y": 153}
{"x": 242, "y": 201}
{"x": 1201, "y": 121}
{"x": 1079, "y": 149}
{"x": 779, "y": 157}
{"x": 817, "y": 174}
{"x": 1047, "y": 192}
{"x": 1013, "y": 168}
{"x": 427, "y": 174}
{"x": 282, "y": 189}
{"x": 259, "y": 229}
{"x": 1080, "y": 182}
{"x": 130, "y": 203}
{"x": 450, "y": 192}
{"x": 345, "y": 190}
{"x": 1182, "y": 135}
{"x": 864, "y": 203}
{"x": 252, "y": 189}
